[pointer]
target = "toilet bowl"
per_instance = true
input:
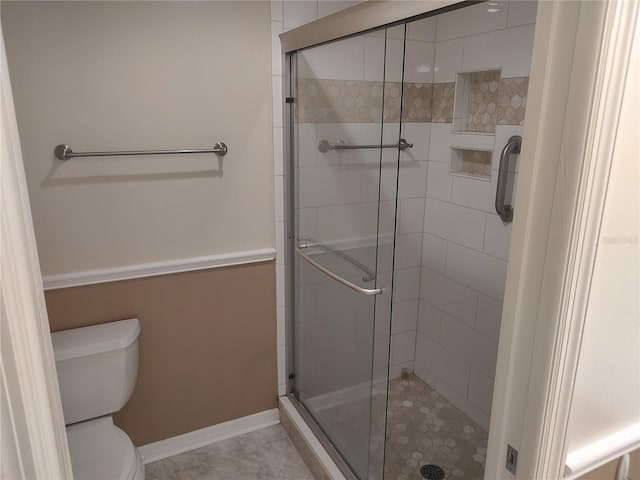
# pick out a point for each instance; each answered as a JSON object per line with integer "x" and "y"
{"x": 97, "y": 368}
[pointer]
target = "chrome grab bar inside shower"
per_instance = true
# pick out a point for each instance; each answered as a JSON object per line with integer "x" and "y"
{"x": 511, "y": 148}
{"x": 309, "y": 242}
{"x": 324, "y": 146}
{"x": 337, "y": 278}
{"x": 64, "y": 152}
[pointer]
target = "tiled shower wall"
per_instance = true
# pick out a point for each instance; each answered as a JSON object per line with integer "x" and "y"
{"x": 465, "y": 244}
{"x": 451, "y": 249}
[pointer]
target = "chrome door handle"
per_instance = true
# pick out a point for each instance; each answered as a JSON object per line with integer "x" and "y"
{"x": 309, "y": 242}
{"x": 346, "y": 283}
{"x": 512, "y": 147}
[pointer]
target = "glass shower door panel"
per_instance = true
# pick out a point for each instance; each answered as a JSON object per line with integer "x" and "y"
{"x": 339, "y": 103}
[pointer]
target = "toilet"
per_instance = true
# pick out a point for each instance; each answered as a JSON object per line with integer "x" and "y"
{"x": 97, "y": 368}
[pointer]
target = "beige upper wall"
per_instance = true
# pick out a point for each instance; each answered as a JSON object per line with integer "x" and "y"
{"x": 143, "y": 75}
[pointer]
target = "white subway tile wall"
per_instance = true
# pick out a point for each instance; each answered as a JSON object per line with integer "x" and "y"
{"x": 374, "y": 60}
{"x": 277, "y": 26}
{"x": 296, "y": 13}
{"x": 276, "y": 57}
{"x": 451, "y": 248}
{"x": 454, "y": 223}
{"x": 420, "y": 135}
{"x": 488, "y": 316}
{"x": 404, "y": 317}
{"x": 521, "y": 13}
{"x": 443, "y": 363}
{"x": 472, "y": 20}
{"x": 473, "y": 193}
{"x": 480, "y": 390}
{"x": 276, "y": 82}
{"x": 449, "y": 296}
{"x": 466, "y": 246}
{"x": 508, "y": 49}
{"x": 429, "y": 320}
{"x": 434, "y": 253}
{"x": 448, "y": 60}
{"x": 497, "y": 237}
{"x": 403, "y": 347}
{"x": 408, "y": 250}
{"x": 439, "y": 182}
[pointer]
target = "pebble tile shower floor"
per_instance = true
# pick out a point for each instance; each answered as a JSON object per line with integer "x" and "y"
{"x": 424, "y": 428}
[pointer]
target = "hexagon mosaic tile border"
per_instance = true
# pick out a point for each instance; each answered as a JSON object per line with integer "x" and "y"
{"x": 442, "y": 102}
{"x": 512, "y": 100}
{"x": 483, "y": 100}
{"x": 351, "y": 101}
{"x": 359, "y": 101}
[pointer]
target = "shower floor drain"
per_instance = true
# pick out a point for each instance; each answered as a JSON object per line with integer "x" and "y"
{"x": 432, "y": 472}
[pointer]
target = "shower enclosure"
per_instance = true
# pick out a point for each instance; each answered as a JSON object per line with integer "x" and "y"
{"x": 403, "y": 146}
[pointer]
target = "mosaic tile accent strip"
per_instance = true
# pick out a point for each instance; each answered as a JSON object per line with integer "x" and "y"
{"x": 417, "y": 102}
{"x": 483, "y": 100}
{"x": 339, "y": 101}
{"x": 358, "y": 101}
{"x": 512, "y": 100}
{"x": 350, "y": 101}
{"x": 392, "y": 102}
{"x": 442, "y": 103}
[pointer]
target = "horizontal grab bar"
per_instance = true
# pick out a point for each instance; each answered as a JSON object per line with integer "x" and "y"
{"x": 324, "y": 146}
{"x": 339, "y": 279}
{"x": 314, "y": 243}
{"x": 64, "y": 152}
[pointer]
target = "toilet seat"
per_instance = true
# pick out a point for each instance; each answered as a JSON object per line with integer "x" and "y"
{"x": 101, "y": 451}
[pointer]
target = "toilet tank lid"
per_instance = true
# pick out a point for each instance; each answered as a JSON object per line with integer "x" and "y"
{"x": 94, "y": 339}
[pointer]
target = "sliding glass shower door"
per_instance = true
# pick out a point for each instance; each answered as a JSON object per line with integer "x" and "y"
{"x": 346, "y": 131}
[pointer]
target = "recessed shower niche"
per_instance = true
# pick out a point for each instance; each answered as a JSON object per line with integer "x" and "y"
{"x": 476, "y": 102}
{"x": 471, "y": 162}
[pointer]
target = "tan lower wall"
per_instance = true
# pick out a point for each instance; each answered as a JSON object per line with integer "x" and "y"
{"x": 608, "y": 471}
{"x": 207, "y": 344}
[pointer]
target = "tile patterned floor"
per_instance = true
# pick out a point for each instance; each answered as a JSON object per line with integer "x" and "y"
{"x": 424, "y": 428}
{"x": 265, "y": 454}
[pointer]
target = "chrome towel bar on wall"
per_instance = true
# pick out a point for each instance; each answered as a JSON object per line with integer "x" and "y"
{"x": 324, "y": 146}
{"x": 64, "y": 152}
{"x": 511, "y": 148}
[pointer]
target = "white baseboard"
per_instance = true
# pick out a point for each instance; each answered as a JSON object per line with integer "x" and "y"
{"x": 142, "y": 270}
{"x": 207, "y": 436}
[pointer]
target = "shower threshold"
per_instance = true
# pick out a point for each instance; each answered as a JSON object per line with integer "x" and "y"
{"x": 423, "y": 429}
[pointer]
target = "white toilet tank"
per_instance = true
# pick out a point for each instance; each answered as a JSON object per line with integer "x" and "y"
{"x": 97, "y": 368}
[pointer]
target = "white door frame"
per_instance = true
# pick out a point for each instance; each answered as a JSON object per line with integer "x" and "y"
{"x": 33, "y": 442}
{"x": 580, "y": 61}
